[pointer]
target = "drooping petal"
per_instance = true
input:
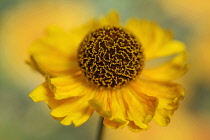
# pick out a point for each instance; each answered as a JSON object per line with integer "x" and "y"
{"x": 84, "y": 117}
{"x": 75, "y": 110}
{"x": 118, "y": 108}
{"x": 64, "y": 109}
{"x": 113, "y": 124}
{"x": 68, "y": 86}
{"x": 43, "y": 93}
{"x": 109, "y": 104}
{"x": 78, "y": 116}
{"x": 133, "y": 127}
{"x": 40, "y": 93}
{"x": 171, "y": 70}
{"x": 58, "y": 39}
{"x": 168, "y": 94}
{"x": 155, "y": 41}
{"x": 53, "y": 54}
{"x": 33, "y": 64}
{"x": 121, "y": 106}
{"x": 102, "y": 103}
{"x": 140, "y": 108}
{"x": 53, "y": 65}
{"x": 112, "y": 19}
{"x": 72, "y": 110}
{"x": 76, "y": 94}
{"x": 55, "y": 40}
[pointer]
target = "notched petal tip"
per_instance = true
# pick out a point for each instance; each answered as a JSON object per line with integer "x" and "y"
{"x": 169, "y": 95}
{"x": 163, "y": 117}
{"x": 75, "y": 110}
{"x": 114, "y": 124}
{"x": 83, "y": 118}
{"x": 108, "y": 103}
{"x": 140, "y": 108}
{"x": 134, "y": 128}
{"x": 99, "y": 108}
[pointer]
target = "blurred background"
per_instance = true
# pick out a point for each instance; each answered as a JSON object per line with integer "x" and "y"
{"x": 23, "y": 21}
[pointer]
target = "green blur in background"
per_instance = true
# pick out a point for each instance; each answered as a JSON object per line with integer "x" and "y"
{"x": 23, "y": 21}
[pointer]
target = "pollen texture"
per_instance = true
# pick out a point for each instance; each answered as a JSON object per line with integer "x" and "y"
{"x": 110, "y": 56}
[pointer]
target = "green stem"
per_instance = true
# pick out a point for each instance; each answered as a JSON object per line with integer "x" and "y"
{"x": 100, "y": 131}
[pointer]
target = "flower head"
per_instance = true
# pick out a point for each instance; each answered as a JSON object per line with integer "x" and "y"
{"x": 110, "y": 56}
{"x": 101, "y": 67}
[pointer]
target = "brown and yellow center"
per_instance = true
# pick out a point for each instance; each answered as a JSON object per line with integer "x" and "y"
{"x": 110, "y": 56}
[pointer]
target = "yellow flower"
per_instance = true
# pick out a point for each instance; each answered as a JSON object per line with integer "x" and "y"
{"x": 101, "y": 67}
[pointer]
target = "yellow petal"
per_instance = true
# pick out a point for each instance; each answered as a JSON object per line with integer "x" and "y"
{"x": 101, "y": 103}
{"x": 55, "y": 39}
{"x": 75, "y": 110}
{"x": 155, "y": 41}
{"x": 64, "y": 109}
{"x": 112, "y": 19}
{"x": 140, "y": 108}
{"x": 67, "y": 107}
{"x": 133, "y": 127}
{"x": 118, "y": 108}
{"x": 79, "y": 115}
{"x": 53, "y": 64}
{"x": 79, "y": 33}
{"x": 84, "y": 117}
{"x": 33, "y": 64}
{"x": 168, "y": 94}
{"x": 113, "y": 124}
{"x": 68, "y": 86}
{"x": 170, "y": 48}
{"x": 52, "y": 102}
{"x": 59, "y": 119}
{"x": 58, "y": 39}
{"x": 163, "y": 116}
{"x": 108, "y": 104}
{"x": 43, "y": 93}
{"x": 40, "y": 93}
{"x": 53, "y": 54}
{"x": 172, "y": 70}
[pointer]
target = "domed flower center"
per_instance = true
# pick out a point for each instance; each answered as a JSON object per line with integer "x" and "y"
{"x": 110, "y": 56}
